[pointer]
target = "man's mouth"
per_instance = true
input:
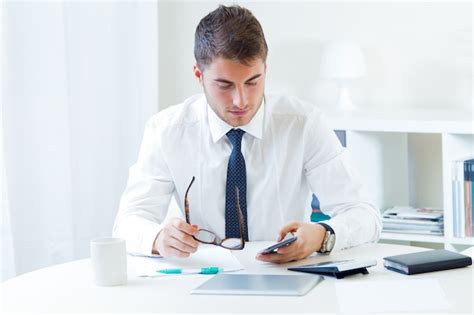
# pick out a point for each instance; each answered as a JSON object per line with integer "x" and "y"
{"x": 239, "y": 112}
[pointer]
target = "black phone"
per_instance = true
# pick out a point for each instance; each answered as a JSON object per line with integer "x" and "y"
{"x": 286, "y": 241}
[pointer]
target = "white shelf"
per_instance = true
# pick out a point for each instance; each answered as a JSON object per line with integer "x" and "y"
{"x": 420, "y": 121}
{"x": 426, "y": 238}
{"x": 412, "y": 237}
{"x": 405, "y": 159}
{"x": 461, "y": 241}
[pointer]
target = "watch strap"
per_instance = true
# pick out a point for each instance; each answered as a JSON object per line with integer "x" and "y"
{"x": 327, "y": 227}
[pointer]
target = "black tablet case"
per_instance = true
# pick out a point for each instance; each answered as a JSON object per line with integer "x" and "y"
{"x": 428, "y": 261}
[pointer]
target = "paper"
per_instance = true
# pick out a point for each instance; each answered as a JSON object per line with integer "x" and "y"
{"x": 206, "y": 256}
{"x": 413, "y": 295}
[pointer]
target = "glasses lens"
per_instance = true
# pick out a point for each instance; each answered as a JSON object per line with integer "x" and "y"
{"x": 205, "y": 236}
{"x": 232, "y": 243}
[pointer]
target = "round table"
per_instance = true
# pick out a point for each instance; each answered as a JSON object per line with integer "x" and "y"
{"x": 69, "y": 288}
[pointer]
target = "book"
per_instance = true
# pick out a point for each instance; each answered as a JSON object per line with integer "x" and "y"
{"x": 457, "y": 200}
{"x": 413, "y": 213}
{"x": 462, "y": 196}
{"x": 412, "y": 220}
{"x": 427, "y": 261}
{"x": 469, "y": 194}
{"x": 402, "y": 227}
{"x": 419, "y": 232}
{"x": 467, "y": 198}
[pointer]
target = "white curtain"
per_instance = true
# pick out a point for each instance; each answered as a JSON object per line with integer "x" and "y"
{"x": 79, "y": 80}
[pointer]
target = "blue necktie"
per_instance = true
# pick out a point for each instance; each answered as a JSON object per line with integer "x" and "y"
{"x": 236, "y": 176}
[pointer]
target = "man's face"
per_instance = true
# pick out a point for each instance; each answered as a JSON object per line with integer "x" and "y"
{"x": 233, "y": 90}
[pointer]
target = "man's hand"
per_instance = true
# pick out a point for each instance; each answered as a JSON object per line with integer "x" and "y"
{"x": 310, "y": 238}
{"x": 176, "y": 239}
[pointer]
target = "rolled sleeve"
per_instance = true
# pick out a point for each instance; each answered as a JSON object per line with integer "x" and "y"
{"x": 354, "y": 218}
{"x": 144, "y": 203}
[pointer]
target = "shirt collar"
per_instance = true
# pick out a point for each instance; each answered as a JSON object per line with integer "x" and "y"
{"x": 219, "y": 127}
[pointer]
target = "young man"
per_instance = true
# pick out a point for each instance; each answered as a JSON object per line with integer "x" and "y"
{"x": 271, "y": 152}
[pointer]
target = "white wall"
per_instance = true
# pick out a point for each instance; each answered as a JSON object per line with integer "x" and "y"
{"x": 419, "y": 54}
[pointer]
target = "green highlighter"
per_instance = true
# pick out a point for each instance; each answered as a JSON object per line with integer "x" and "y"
{"x": 203, "y": 271}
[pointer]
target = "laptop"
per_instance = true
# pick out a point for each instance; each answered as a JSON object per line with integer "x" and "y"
{"x": 257, "y": 284}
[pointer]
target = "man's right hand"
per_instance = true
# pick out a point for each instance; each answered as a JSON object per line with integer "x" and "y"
{"x": 176, "y": 239}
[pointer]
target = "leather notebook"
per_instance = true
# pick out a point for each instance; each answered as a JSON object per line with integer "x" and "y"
{"x": 427, "y": 261}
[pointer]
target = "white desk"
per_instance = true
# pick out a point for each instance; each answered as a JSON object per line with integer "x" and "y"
{"x": 69, "y": 288}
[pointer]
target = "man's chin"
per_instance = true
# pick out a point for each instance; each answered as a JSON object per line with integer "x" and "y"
{"x": 238, "y": 121}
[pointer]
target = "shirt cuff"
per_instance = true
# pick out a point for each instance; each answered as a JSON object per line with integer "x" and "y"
{"x": 149, "y": 232}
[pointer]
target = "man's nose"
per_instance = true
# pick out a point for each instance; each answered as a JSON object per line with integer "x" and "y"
{"x": 240, "y": 98}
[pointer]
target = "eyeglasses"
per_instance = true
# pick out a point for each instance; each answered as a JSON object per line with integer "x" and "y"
{"x": 209, "y": 237}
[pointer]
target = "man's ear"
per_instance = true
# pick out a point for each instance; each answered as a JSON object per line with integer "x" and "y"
{"x": 197, "y": 72}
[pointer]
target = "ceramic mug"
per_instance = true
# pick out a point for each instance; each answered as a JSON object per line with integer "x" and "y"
{"x": 109, "y": 261}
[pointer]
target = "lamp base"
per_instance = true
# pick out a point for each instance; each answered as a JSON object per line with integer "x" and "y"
{"x": 345, "y": 101}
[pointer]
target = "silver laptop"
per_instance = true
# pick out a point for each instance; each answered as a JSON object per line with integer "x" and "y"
{"x": 256, "y": 284}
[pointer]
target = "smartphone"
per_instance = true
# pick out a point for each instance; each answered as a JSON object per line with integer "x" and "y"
{"x": 289, "y": 238}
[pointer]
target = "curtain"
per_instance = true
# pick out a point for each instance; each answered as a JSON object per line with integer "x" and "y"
{"x": 79, "y": 80}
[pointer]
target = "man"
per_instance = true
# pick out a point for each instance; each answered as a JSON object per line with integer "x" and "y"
{"x": 272, "y": 151}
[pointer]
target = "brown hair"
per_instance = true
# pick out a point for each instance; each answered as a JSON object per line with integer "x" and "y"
{"x": 230, "y": 32}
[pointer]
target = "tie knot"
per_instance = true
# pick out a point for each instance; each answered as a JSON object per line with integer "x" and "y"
{"x": 235, "y": 137}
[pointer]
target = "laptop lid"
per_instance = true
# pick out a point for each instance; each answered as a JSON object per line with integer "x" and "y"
{"x": 256, "y": 284}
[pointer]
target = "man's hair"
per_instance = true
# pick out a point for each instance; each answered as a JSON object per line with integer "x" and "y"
{"x": 230, "y": 32}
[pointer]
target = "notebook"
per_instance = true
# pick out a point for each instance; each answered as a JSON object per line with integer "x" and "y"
{"x": 427, "y": 261}
{"x": 256, "y": 284}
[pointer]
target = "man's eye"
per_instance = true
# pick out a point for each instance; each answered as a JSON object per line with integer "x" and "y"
{"x": 225, "y": 86}
{"x": 252, "y": 83}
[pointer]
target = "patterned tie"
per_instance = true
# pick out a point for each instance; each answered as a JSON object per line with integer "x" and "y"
{"x": 236, "y": 176}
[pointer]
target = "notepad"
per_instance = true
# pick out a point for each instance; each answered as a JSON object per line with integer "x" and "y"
{"x": 257, "y": 284}
{"x": 206, "y": 256}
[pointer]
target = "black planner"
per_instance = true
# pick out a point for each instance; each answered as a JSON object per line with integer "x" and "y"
{"x": 427, "y": 261}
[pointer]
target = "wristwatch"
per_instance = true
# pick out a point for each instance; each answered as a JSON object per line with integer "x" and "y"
{"x": 329, "y": 240}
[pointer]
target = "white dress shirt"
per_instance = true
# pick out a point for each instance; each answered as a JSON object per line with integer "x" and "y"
{"x": 290, "y": 152}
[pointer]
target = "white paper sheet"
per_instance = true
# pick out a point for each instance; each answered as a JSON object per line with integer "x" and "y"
{"x": 412, "y": 295}
{"x": 206, "y": 256}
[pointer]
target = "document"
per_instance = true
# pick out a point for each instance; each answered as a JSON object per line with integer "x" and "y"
{"x": 205, "y": 256}
{"x": 412, "y": 295}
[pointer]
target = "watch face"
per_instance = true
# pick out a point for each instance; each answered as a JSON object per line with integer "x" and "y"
{"x": 331, "y": 242}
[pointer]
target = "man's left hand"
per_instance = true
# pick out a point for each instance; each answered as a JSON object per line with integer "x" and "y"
{"x": 310, "y": 238}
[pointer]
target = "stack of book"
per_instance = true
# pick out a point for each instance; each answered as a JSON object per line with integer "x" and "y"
{"x": 413, "y": 220}
{"x": 463, "y": 193}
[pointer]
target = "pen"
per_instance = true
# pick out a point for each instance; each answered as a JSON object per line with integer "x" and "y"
{"x": 204, "y": 271}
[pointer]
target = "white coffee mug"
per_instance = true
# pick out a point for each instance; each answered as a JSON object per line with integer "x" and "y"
{"x": 109, "y": 261}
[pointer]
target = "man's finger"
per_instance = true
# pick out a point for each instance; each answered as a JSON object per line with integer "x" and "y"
{"x": 178, "y": 244}
{"x": 288, "y": 249}
{"x": 275, "y": 258}
{"x": 183, "y": 226}
{"x": 287, "y": 228}
{"x": 170, "y": 251}
{"x": 175, "y": 252}
{"x": 184, "y": 237}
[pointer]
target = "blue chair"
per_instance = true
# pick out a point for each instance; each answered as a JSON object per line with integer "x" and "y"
{"x": 317, "y": 215}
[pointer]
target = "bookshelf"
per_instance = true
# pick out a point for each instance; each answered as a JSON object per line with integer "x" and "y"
{"x": 405, "y": 158}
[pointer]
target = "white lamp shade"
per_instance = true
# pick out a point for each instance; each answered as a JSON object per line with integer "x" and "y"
{"x": 342, "y": 59}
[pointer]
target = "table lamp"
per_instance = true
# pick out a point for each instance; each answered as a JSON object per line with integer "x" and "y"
{"x": 342, "y": 60}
